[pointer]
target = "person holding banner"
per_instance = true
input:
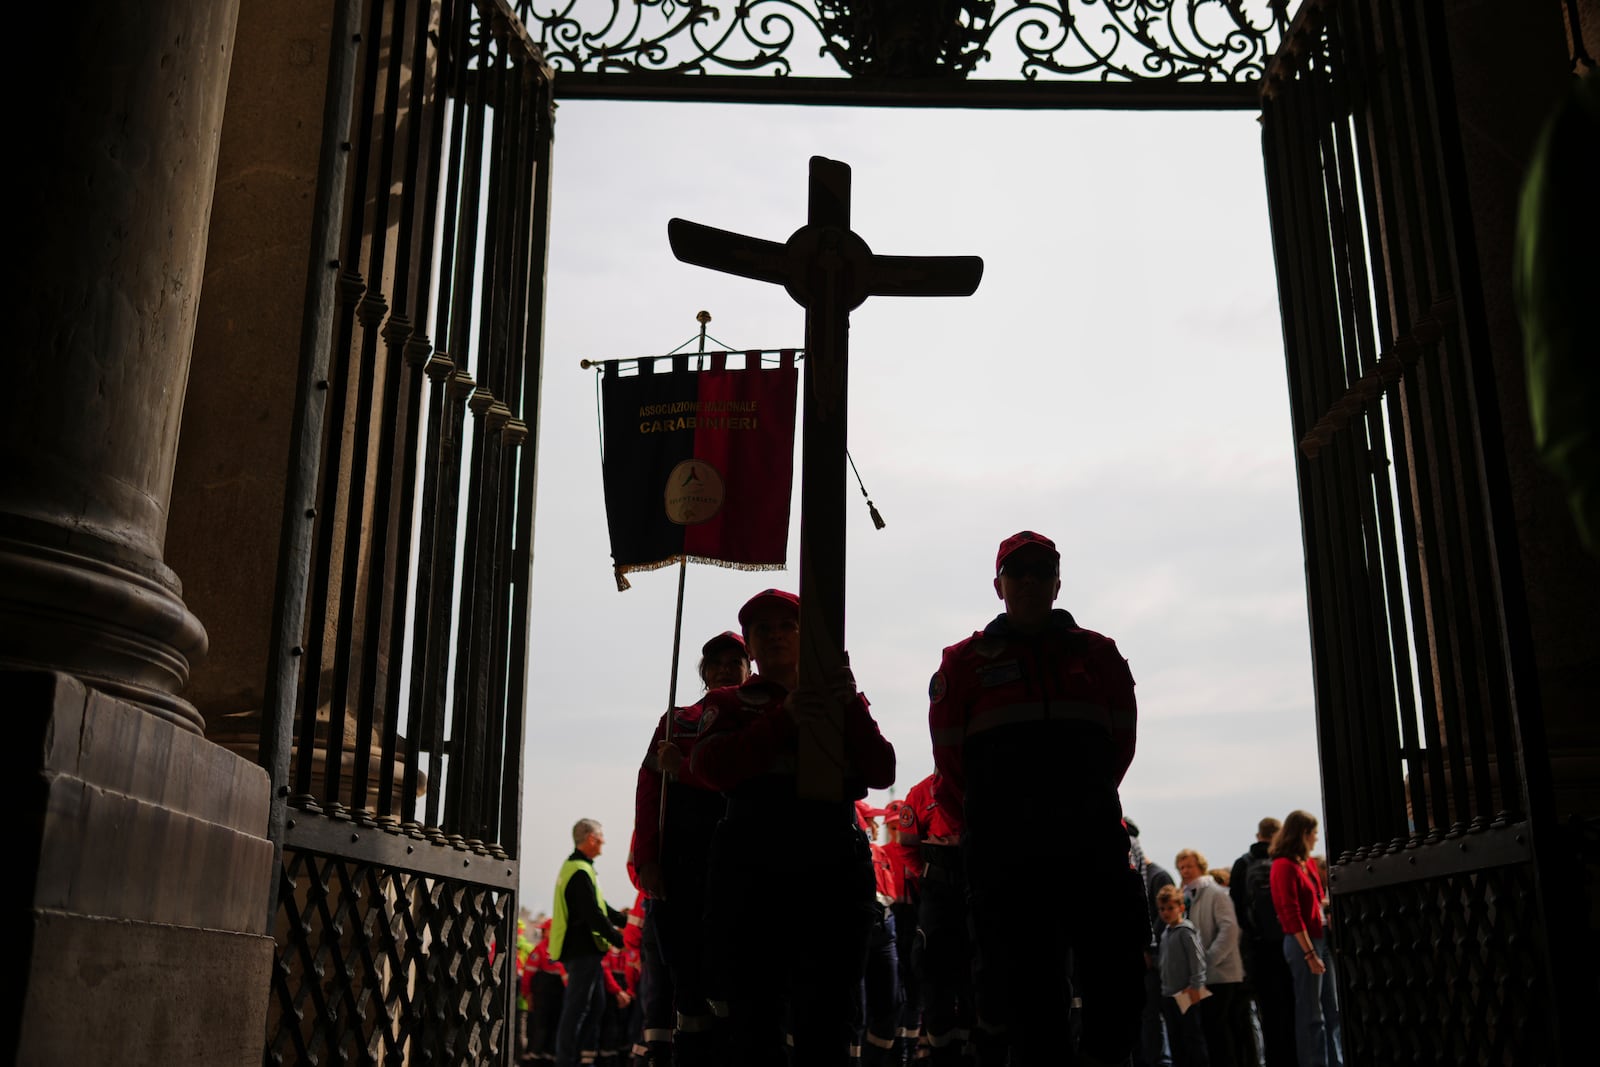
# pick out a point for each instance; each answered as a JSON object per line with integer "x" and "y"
{"x": 671, "y": 851}
{"x": 778, "y": 856}
{"x": 1035, "y": 714}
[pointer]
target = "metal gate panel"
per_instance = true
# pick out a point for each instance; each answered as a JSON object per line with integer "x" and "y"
{"x": 394, "y": 707}
{"x": 1434, "y": 791}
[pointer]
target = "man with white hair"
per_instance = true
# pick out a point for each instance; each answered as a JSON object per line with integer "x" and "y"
{"x": 582, "y": 927}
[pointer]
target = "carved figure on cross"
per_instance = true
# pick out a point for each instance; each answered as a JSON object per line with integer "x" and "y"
{"x": 828, "y": 270}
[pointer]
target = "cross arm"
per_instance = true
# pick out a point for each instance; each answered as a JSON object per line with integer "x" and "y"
{"x": 924, "y": 275}
{"x": 731, "y": 253}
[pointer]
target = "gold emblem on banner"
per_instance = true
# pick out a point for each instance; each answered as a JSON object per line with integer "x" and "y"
{"x": 694, "y": 493}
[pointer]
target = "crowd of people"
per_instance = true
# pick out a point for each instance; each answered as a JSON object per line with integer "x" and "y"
{"x": 918, "y": 945}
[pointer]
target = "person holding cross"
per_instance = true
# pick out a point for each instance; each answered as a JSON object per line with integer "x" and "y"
{"x": 671, "y": 850}
{"x": 1035, "y": 714}
{"x": 778, "y": 853}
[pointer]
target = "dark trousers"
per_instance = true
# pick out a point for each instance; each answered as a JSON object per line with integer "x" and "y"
{"x": 1273, "y": 986}
{"x": 1221, "y": 1020}
{"x": 1185, "y": 1034}
{"x": 943, "y": 957}
{"x": 655, "y": 979}
{"x": 790, "y": 932}
{"x": 1101, "y": 923}
{"x": 1151, "y": 1049}
{"x": 881, "y": 995}
{"x": 581, "y": 1009}
{"x": 905, "y": 938}
{"x": 545, "y": 997}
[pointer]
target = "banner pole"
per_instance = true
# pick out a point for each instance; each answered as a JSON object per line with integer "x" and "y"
{"x": 703, "y": 317}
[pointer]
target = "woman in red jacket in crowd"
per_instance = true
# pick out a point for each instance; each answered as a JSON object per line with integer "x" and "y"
{"x": 1297, "y": 896}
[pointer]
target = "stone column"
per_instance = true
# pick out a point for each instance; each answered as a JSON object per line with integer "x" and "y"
{"x": 114, "y": 203}
{"x": 141, "y": 939}
{"x": 229, "y": 485}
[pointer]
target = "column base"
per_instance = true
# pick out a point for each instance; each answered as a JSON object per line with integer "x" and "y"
{"x": 147, "y": 867}
{"x": 116, "y": 629}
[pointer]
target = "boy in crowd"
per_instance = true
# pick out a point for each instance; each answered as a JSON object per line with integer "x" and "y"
{"x": 1182, "y": 963}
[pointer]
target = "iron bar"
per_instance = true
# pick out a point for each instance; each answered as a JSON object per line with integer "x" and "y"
{"x": 1435, "y": 627}
{"x": 369, "y": 313}
{"x": 416, "y": 718}
{"x": 1385, "y": 227}
{"x": 1359, "y": 501}
{"x": 1378, "y": 374}
{"x": 466, "y": 736}
{"x": 391, "y": 850}
{"x": 1497, "y": 847}
{"x": 531, "y": 349}
{"x": 1284, "y": 201}
{"x": 393, "y": 332}
{"x": 1339, "y": 694}
{"x": 288, "y": 641}
{"x": 413, "y": 267}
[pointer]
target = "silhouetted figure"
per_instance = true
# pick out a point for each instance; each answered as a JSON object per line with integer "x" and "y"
{"x": 791, "y": 886}
{"x": 1033, "y": 722}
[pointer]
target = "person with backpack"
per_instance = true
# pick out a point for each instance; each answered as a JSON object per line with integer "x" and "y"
{"x": 1266, "y": 971}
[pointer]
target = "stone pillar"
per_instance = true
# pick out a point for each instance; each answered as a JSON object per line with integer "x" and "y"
{"x": 228, "y": 488}
{"x": 141, "y": 936}
{"x": 114, "y": 202}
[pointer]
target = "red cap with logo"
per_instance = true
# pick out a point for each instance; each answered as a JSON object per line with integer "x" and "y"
{"x": 766, "y": 596}
{"x": 1022, "y": 540}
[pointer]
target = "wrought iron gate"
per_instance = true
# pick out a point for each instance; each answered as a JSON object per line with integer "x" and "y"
{"x": 1436, "y": 789}
{"x": 393, "y": 723}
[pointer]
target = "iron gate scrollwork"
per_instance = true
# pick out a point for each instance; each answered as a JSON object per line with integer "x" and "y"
{"x": 1010, "y": 53}
{"x": 1434, "y": 790}
{"x": 393, "y": 720}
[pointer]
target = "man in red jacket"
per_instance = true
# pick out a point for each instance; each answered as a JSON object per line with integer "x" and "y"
{"x": 793, "y": 869}
{"x": 1034, "y": 714}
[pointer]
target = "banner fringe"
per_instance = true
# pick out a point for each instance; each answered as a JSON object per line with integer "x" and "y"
{"x": 623, "y": 584}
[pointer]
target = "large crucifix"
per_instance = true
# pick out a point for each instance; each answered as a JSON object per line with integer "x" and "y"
{"x": 829, "y": 271}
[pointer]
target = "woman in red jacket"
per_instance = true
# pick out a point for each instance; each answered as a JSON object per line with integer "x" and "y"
{"x": 1297, "y": 897}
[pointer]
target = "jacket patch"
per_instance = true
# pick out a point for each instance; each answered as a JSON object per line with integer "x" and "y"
{"x": 936, "y": 687}
{"x": 754, "y": 698}
{"x": 999, "y": 674}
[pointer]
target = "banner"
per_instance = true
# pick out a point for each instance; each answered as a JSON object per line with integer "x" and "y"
{"x": 699, "y": 463}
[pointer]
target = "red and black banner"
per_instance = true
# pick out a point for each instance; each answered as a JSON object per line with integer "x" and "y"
{"x": 699, "y": 463}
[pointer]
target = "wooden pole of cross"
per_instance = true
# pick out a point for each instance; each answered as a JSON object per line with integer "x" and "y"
{"x": 828, "y": 270}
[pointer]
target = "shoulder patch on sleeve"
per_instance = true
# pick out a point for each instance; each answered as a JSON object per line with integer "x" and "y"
{"x": 708, "y": 718}
{"x": 936, "y": 687}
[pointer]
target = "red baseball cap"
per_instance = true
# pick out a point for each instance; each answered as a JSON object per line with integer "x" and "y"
{"x": 1022, "y": 540}
{"x": 766, "y": 596}
{"x": 726, "y": 637}
{"x": 867, "y": 811}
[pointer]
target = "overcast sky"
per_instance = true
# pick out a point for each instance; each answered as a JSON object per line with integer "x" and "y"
{"x": 1116, "y": 383}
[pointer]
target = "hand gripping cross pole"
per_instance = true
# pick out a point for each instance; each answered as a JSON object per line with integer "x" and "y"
{"x": 829, "y": 271}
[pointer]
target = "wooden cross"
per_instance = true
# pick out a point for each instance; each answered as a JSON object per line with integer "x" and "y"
{"x": 829, "y": 271}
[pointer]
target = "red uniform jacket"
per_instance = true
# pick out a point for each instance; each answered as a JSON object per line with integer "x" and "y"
{"x": 746, "y": 734}
{"x": 935, "y": 809}
{"x": 1010, "y": 709}
{"x": 686, "y": 732}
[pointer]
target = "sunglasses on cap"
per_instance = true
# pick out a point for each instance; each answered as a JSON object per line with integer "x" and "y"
{"x": 1043, "y": 569}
